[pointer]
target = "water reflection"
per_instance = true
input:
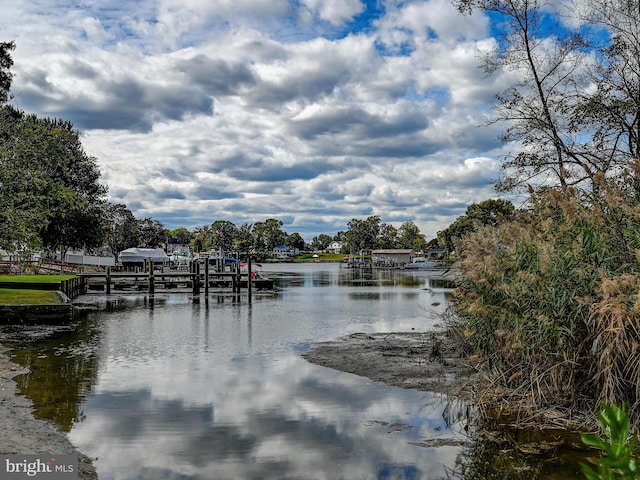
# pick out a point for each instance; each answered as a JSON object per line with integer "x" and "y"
{"x": 283, "y": 420}
{"x": 310, "y": 276}
{"x": 171, "y": 389}
{"x": 64, "y": 369}
{"x": 552, "y": 456}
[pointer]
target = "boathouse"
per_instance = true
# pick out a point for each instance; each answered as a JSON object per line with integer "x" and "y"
{"x": 392, "y": 257}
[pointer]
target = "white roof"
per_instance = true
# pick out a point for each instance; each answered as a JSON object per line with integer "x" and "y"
{"x": 140, "y": 254}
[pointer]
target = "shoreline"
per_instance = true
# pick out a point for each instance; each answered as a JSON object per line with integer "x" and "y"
{"x": 23, "y": 434}
{"x": 432, "y": 361}
{"x": 427, "y": 361}
{"x": 414, "y": 360}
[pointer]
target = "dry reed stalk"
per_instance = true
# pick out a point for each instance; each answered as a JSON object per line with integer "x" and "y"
{"x": 551, "y": 299}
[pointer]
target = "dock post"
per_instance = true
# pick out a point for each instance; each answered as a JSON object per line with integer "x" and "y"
{"x": 108, "y": 280}
{"x": 206, "y": 280}
{"x": 192, "y": 267}
{"x": 249, "y": 282}
{"x": 151, "y": 279}
{"x": 235, "y": 284}
{"x": 196, "y": 279}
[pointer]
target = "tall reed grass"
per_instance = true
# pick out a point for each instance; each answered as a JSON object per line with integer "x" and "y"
{"x": 550, "y": 301}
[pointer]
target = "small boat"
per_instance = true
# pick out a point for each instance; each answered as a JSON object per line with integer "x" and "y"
{"x": 216, "y": 259}
{"x": 180, "y": 259}
{"x": 136, "y": 257}
{"x": 421, "y": 263}
{"x": 258, "y": 281}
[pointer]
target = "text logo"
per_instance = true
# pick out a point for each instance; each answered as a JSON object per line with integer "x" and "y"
{"x": 49, "y": 467}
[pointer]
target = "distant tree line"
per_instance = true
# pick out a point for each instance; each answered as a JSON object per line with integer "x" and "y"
{"x": 225, "y": 235}
{"x": 365, "y": 234}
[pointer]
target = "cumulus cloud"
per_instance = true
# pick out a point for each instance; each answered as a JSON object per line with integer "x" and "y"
{"x": 336, "y": 12}
{"x": 316, "y": 111}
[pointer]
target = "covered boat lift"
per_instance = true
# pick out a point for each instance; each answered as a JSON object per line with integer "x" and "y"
{"x": 138, "y": 257}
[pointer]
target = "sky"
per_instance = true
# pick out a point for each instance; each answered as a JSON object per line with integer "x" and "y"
{"x": 313, "y": 112}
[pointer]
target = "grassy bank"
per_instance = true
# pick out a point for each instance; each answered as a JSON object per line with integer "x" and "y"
{"x": 321, "y": 257}
{"x": 35, "y": 278}
{"x": 11, "y": 296}
{"x": 25, "y": 296}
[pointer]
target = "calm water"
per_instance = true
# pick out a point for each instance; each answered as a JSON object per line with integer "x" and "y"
{"x": 168, "y": 389}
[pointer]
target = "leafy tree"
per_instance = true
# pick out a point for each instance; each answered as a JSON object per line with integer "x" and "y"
{"x": 122, "y": 230}
{"x": 51, "y": 193}
{"x": 180, "y": 235}
{"x": 84, "y": 230}
{"x": 295, "y": 241}
{"x": 15, "y": 222}
{"x": 612, "y": 109}
{"x": 152, "y": 233}
{"x": 322, "y": 241}
{"x": 489, "y": 212}
{"x": 268, "y": 234}
{"x": 202, "y": 239}
{"x": 23, "y": 186}
{"x": 568, "y": 131}
{"x": 387, "y": 236}
{"x": 6, "y": 77}
{"x": 341, "y": 236}
{"x": 363, "y": 234}
{"x": 76, "y": 193}
{"x": 409, "y": 236}
{"x": 224, "y": 234}
{"x": 244, "y": 240}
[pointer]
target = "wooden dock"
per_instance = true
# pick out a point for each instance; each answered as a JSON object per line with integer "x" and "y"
{"x": 195, "y": 281}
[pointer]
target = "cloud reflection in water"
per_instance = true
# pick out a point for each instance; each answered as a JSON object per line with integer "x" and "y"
{"x": 222, "y": 393}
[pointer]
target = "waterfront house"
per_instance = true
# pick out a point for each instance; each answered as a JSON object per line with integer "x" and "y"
{"x": 335, "y": 247}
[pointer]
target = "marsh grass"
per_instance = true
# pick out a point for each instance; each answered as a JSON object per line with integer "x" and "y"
{"x": 550, "y": 301}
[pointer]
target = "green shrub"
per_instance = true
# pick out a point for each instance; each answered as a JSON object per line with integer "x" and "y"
{"x": 618, "y": 448}
{"x": 550, "y": 300}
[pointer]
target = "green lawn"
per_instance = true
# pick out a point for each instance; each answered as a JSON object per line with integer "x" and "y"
{"x": 35, "y": 278}
{"x": 322, "y": 257}
{"x": 10, "y": 296}
{"x": 14, "y": 296}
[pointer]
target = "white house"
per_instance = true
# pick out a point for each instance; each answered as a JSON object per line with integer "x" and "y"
{"x": 335, "y": 247}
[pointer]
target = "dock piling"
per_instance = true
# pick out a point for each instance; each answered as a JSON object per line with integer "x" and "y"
{"x": 151, "y": 279}
{"x": 206, "y": 280}
{"x": 249, "y": 282}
